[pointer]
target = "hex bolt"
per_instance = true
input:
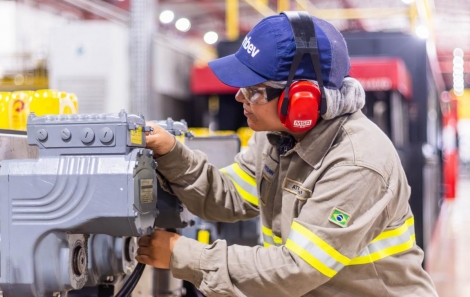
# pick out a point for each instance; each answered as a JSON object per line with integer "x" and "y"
{"x": 41, "y": 134}
{"x": 136, "y": 164}
{"x": 136, "y": 214}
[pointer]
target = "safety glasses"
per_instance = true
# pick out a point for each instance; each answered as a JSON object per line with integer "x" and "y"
{"x": 258, "y": 95}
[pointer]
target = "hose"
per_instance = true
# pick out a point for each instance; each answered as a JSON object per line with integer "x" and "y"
{"x": 132, "y": 281}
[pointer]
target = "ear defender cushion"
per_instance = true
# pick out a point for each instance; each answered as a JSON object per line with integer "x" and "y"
{"x": 304, "y": 106}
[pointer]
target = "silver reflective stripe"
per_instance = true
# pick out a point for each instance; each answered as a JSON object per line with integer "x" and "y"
{"x": 241, "y": 182}
{"x": 268, "y": 240}
{"x": 314, "y": 250}
{"x": 392, "y": 241}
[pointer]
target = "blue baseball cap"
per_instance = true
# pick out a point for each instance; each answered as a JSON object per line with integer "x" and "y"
{"x": 268, "y": 50}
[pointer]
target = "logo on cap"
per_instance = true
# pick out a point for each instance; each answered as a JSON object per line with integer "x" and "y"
{"x": 250, "y": 47}
{"x": 302, "y": 124}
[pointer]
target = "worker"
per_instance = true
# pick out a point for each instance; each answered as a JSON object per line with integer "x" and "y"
{"x": 326, "y": 181}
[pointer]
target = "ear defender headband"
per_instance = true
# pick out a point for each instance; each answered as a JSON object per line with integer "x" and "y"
{"x": 302, "y": 102}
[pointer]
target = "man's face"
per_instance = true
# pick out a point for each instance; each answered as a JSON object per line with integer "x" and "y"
{"x": 261, "y": 116}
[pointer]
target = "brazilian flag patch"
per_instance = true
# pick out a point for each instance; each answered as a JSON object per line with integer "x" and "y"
{"x": 339, "y": 217}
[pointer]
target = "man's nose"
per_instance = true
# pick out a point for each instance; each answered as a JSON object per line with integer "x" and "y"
{"x": 241, "y": 98}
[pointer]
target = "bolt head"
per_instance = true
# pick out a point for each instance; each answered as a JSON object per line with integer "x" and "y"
{"x": 41, "y": 134}
{"x": 65, "y": 134}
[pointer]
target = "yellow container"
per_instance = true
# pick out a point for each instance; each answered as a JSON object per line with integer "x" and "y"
{"x": 45, "y": 102}
{"x": 223, "y": 133}
{"x": 68, "y": 103}
{"x": 19, "y": 109}
{"x": 5, "y": 110}
{"x": 245, "y": 134}
{"x": 74, "y": 99}
{"x": 199, "y": 131}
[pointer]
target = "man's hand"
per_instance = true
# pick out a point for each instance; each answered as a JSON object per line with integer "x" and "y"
{"x": 156, "y": 249}
{"x": 159, "y": 140}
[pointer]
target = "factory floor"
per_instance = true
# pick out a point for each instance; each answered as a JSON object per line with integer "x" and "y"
{"x": 448, "y": 256}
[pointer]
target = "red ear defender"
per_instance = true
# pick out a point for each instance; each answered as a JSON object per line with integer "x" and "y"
{"x": 304, "y": 106}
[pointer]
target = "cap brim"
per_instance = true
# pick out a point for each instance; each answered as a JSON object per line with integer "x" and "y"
{"x": 234, "y": 73}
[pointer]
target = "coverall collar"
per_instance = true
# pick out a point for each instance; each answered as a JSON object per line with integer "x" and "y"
{"x": 316, "y": 143}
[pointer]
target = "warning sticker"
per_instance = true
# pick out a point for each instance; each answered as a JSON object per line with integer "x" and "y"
{"x": 136, "y": 136}
{"x": 146, "y": 190}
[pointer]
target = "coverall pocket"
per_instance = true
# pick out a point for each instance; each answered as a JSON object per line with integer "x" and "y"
{"x": 265, "y": 188}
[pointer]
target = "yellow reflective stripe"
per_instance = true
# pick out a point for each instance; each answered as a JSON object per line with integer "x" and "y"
{"x": 242, "y": 177}
{"x": 395, "y": 232}
{"x": 245, "y": 195}
{"x": 267, "y": 231}
{"x": 390, "y": 251}
{"x": 267, "y": 244}
{"x": 310, "y": 259}
{"x": 271, "y": 237}
{"x": 320, "y": 243}
{"x": 246, "y": 177}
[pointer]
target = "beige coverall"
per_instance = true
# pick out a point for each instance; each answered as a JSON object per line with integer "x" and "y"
{"x": 334, "y": 211}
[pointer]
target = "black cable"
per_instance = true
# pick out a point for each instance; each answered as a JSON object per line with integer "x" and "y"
{"x": 132, "y": 281}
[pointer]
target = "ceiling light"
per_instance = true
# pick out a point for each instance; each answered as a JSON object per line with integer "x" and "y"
{"x": 458, "y": 68}
{"x": 211, "y": 37}
{"x": 183, "y": 25}
{"x": 458, "y": 92}
{"x": 167, "y": 16}
{"x": 458, "y": 52}
{"x": 422, "y": 31}
{"x": 408, "y": 1}
{"x": 458, "y": 61}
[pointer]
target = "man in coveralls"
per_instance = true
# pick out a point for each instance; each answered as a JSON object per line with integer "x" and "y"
{"x": 331, "y": 192}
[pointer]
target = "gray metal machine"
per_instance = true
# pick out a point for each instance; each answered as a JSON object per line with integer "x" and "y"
{"x": 69, "y": 217}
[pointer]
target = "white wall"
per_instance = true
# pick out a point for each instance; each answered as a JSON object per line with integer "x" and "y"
{"x": 7, "y": 34}
{"x": 7, "y": 27}
{"x": 34, "y": 27}
{"x": 24, "y": 30}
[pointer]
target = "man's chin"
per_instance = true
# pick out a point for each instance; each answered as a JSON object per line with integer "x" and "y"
{"x": 252, "y": 125}
{"x": 255, "y": 127}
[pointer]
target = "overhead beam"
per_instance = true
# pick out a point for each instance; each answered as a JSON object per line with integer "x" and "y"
{"x": 261, "y": 7}
{"x": 232, "y": 19}
{"x": 304, "y": 5}
{"x": 102, "y": 9}
{"x": 283, "y": 5}
{"x": 359, "y": 13}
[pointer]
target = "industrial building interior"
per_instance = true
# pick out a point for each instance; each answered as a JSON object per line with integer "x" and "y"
{"x": 72, "y": 209}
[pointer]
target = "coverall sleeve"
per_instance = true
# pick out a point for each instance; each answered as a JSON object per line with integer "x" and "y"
{"x": 313, "y": 253}
{"x": 225, "y": 195}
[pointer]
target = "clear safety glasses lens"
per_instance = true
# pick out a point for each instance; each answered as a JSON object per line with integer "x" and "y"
{"x": 258, "y": 95}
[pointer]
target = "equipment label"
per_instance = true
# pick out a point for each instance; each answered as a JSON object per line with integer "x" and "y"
{"x": 146, "y": 190}
{"x": 136, "y": 136}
